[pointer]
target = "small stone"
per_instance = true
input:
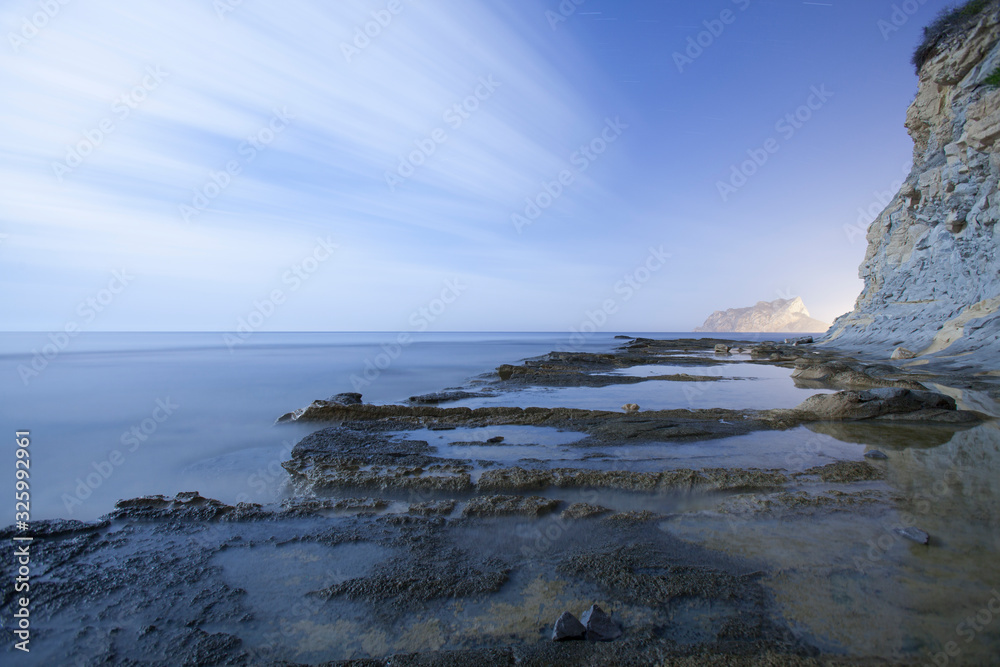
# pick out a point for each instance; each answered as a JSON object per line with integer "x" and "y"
{"x": 721, "y": 349}
{"x": 876, "y": 454}
{"x": 902, "y": 353}
{"x": 494, "y": 440}
{"x": 630, "y": 407}
{"x": 347, "y": 398}
{"x": 568, "y": 627}
{"x": 804, "y": 340}
{"x": 915, "y": 534}
{"x": 505, "y": 371}
{"x": 600, "y": 627}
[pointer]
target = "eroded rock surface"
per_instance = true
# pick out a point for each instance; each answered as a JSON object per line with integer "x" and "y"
{"x": 931, "y": 267}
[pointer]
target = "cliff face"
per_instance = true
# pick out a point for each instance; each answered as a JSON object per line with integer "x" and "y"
{"x": 785, "y": 315}
{"x": 932, "y": 270}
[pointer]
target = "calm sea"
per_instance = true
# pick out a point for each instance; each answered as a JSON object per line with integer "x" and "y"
{"x": 120, "y": 415}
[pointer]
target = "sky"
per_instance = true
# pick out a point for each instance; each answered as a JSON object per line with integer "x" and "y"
{"x": 395, "y": 165}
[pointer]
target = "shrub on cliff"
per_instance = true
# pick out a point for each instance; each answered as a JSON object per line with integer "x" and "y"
{"x": 993, "y": 79}
{"x": 947, "y": 23}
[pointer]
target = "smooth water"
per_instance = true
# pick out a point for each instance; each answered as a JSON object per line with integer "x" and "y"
{"x": 120, "y": 415}
{"x": 203, "y": 413}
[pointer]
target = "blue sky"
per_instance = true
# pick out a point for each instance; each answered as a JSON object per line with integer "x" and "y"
{"x": 509, "y": 165}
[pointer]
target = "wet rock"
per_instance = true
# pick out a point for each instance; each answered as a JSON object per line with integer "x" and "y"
{"x": 506, "y": 371}
{"x": 187, "y": 505}
{"x": 770, "y": 352}
{"x": 445, "y": 397}
{"x": 914, "y": 534}
{"x": 339, "y": 400}
{"x": 656, "y": 425}
{"x": 874, "y": 403}
{"x": 343, "y": 445}
{"x": 630, "y": 518}
{"x": 645, "y": 574}
{"x": 494, "y": 440}
{"x": 722, "y": 349}
{"x": 902, "y": 353}
{"x": 743, "y": 479}
{"x": 838, "y": 374}
{"x": 53, "y": 528}
{"x": 434, "y": 477}
{"x": 568, "y": 627}
{"x": 347, "y": 398}
{"x": 600, "y": 627}
{"x": 360, "y": 504}
{"x": 248, "y": 512}
{"x": 515, "y": 479}
{"x": 804, "y": 340}
{"x": 846, "y": 471}
{"x": 531, "y": 506}
{"x": 290, "y": 416}
{"x": 428, "y": 570}
{"x": 583, "y": 511}
{"x": 801, "y": 502}
{"x": 433, "y": 507}
{"x": 876, "y": 455}
{"x": 155, "y": 501}
{"x": 630, "y": 407}
{"x": 731, "y": 479}
{"x": 610, "y": 479}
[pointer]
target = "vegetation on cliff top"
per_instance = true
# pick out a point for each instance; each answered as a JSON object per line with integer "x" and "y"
{"x": 994, "y": 78}
{"x": 947, "y": 23}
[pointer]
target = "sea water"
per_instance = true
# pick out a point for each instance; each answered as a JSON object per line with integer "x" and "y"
{"x": 121, "y": 415}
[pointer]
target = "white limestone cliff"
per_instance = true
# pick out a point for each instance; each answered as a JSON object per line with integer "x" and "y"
{"x": 781, "y": 315}
{"x": 932, "y": 269}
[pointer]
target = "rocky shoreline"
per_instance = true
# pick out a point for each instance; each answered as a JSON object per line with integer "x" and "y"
{"x": 436, "y": 533}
